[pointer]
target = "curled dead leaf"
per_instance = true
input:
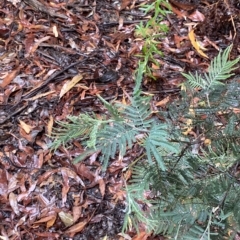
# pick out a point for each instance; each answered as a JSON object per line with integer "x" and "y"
{"x": 70, "y": 84}
{"x": 102, "y": 186}
{"x": 141, "y": 236}
{"x": 163, "y": 102}
{"x": 8, "y": 79}
{"x": 13, "y": 203}
{"x": 36, "y": 44}
{"x": 197, "y": 16}
{"x": 77, "y": 227}
{"x": 49, "y": 220}
{"x": 27, "y": 128}
{"x": 196, "y": 44}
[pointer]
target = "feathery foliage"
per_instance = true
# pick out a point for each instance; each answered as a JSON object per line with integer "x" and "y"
{"x": 127, "y": 124}
{"x": 193, "y": 196}
{"x": 183, "y": 187}
{"x": 218, "y": 71}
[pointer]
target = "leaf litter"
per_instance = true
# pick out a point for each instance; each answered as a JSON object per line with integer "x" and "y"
{"x": 45, "y": 50}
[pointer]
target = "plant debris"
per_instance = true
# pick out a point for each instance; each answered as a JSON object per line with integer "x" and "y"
{"x": 56, "y": 57}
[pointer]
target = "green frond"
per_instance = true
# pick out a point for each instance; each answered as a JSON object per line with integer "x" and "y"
{"x": 139, "y": 74}
{"x": 195, "y": 81}
{"x": 158, "y": 137}
{"x": 188, "y": 196}
{"x": 77, "y": 127}
{"x": 184, "y": 186}
{"x": 113, "y": 110}
{"x": 228, "y": 138}
{"x": 218, "y": 71}
{"x": 91, "y": 142}
{"x": 138, "y": 114}
{"x": 115, "y": 137}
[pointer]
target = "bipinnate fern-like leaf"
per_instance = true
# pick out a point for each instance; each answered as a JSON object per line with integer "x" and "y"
{"x": 138, "y": 79}
{"x": 195, "y": 194}
{"x": 113, "y": 110}
{"x": 138, "y": 113}
{"x": 219, "y": 70}
{"x": 115, "y": 137}
{"x": 126, "y": 123}
{"x": 191, "y": 195}
{"x": 158, "y": 137}
{"x": 81, "y": 126}
{"x": 190, "y": 209}
{"x": 136, "y": 120}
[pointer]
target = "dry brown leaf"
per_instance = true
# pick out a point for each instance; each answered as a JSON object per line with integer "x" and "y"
{"x": 125, "y": 3}
{"x": 120, "y": 22}
{"x": 70, "y": 173}
{"x": 29, "y": 42}
{"x": 8, "y": 79}
{"x": 4, "y": 238}
{"x": 102, "y": 186}
{"x": 50, "y": 126}
{"x": 124, "y": 236}
{"x": 155, "y": 67}
{"x": 66, "y": 218}
{"x": 36, "y": 44}
{"x": 70, "y": 84}
{"x": 46, "y": 175}
{"x": 51, "y": 221}
{"x": 77, "y": 211}
{"x": 13, "y": 203}
{"x": 141, "y": 236}
{"x": 183, "y": 5}
{"x": 3, "y": 183}
{"x": 13, "y": 183}
{"x": 163, "y": 102}
{"x": 119, "y": 196}
{"x": 49, "y": 73}
{"x": 45, "y": 219}
{"x": 27, "y": 128}
{"x": 211, "y": 42}
{"x": 21, "y": 221}
{"x": 85, "y": 172}
{"x": 197, "y": 16}
{"x": 65, "y": 186}
{"x": 32, "y": 135}
{"x": 196, "y": 44}
{"x": 128, "y": 173}
{"x": 77, "y": 227}
{"x": 57, "y": 5}
{"x": 25, "y": 194}
{"x": 48, "y": 235}
{"x": 180, "y": 14}
{"x": 236, "y": 110}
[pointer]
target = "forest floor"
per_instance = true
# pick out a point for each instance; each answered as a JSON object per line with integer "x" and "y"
{"x": 43, "y": 195}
